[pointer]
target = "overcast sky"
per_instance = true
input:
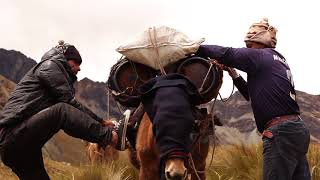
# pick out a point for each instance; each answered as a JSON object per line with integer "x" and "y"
{"x": 98, "y": 27}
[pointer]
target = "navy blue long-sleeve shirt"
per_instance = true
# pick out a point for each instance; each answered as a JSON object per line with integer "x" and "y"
{"x": 269, "y": 79}
{"x": 242, "y": 86}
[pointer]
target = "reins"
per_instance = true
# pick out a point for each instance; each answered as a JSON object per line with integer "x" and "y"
{"x": 191, "y": 162}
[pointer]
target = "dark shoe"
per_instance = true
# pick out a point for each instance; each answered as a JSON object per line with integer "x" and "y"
{"x": 121, "y": 129}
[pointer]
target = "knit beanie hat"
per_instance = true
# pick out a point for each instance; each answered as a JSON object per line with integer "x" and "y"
{"x": 70, "y": 52}
{"x": 262, "y": 33}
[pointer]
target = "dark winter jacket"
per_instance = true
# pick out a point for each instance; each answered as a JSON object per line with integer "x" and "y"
{"x": 47, "y": 83}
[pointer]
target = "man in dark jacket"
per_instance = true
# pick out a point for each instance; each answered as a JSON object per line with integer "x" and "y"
{"x": 42, "y": 104}
{"x": 271, "y": 90}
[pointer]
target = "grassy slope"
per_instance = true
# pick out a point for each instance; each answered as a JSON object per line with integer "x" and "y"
{"x": 118, "y": 170}
{"x": 63, "y": 147}
{"x": 237, "y": 162}
{"x": 244, "y": 162}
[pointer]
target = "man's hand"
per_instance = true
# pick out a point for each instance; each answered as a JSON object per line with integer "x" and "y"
{"x": 232, "y": 72}
{"x": 215, "y": 62}
{"x": 108, "y": 123}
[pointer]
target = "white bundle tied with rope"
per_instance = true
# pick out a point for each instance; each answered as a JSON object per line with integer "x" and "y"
{"x": 158, "y": 47}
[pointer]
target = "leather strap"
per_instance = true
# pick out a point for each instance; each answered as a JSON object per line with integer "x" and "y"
{"x": 280, "y": 119}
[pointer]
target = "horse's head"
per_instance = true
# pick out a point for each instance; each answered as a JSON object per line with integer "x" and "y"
{"x": 175, "y": 169}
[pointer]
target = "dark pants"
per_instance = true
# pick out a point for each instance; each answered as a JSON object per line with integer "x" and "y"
{"x": 21, "y": 147}
{"x": 284, "y": 154}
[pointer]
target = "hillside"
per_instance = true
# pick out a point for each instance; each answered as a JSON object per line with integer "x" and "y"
{"x": 6, "y": 87}
{"x": 14, "y": 65}
{"x": 236, "y": 113}
{"x": 95, "y": 96}
{"x": 237, "y": 117}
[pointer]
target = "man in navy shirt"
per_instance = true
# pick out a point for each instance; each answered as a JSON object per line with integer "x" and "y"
{"x": 271, "y": 90}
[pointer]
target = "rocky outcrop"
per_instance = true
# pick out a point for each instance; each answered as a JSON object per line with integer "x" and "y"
{"x": 14, "y": 65}
{"x": 237, "y": 117}
{"x": 310, "y": 113}
{"x": 6, "y": 87}
{"x": 95, "y": 96}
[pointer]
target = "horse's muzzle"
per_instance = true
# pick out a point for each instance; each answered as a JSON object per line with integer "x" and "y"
{"x": 175, "y": 169}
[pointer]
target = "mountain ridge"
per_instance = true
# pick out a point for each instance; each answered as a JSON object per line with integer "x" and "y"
{"x": 236, "y": 113}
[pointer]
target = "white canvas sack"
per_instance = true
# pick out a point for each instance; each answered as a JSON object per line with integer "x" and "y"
{"x": 158, "y": 47}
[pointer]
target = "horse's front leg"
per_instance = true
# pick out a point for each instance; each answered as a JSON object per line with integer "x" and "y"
{"x": 149, "y": 173}
{"x": 147, "y": 151}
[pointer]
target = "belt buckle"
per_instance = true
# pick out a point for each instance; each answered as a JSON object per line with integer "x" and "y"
{"x": 277, "y": 118}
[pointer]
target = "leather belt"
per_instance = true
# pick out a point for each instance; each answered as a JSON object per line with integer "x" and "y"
{"x": 280, "y": 119}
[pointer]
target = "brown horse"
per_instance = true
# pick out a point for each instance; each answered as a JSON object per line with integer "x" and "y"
{"x": 147, "y": 157}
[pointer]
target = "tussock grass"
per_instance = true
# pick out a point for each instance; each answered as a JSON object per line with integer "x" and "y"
{"x": 244, "y": 162}
{"x": 231, "y": 162}
{"x": 109, "y": 171}
{"x": 314, "y": 161}
{"x": 5, "y": 173}
{"x": 241, "y": 162}
{"x": 115, "y": 170}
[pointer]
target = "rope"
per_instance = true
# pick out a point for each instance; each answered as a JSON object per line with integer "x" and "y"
{"x": 155, "y": 46}
{"x": 229, "y": 96}
{"x": 97, "y": 152}
{"x": 205, "y": 79}
{"x": 213, "y": 128}
{"x": 222, "y": 68}
{"x": 214, "y": 147}
{"x": 135, "y": 70}
{"x": 121, "y": 92}
{"x": 129, "y": 88}
{"x": 193, "y": 167}
{"x": 119, "y": 108}
{"x": 197, "y": 139}
{"x": 191, "y": 162}
{"x": 108, "y": 103}
{"x": 214, "y": 132}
